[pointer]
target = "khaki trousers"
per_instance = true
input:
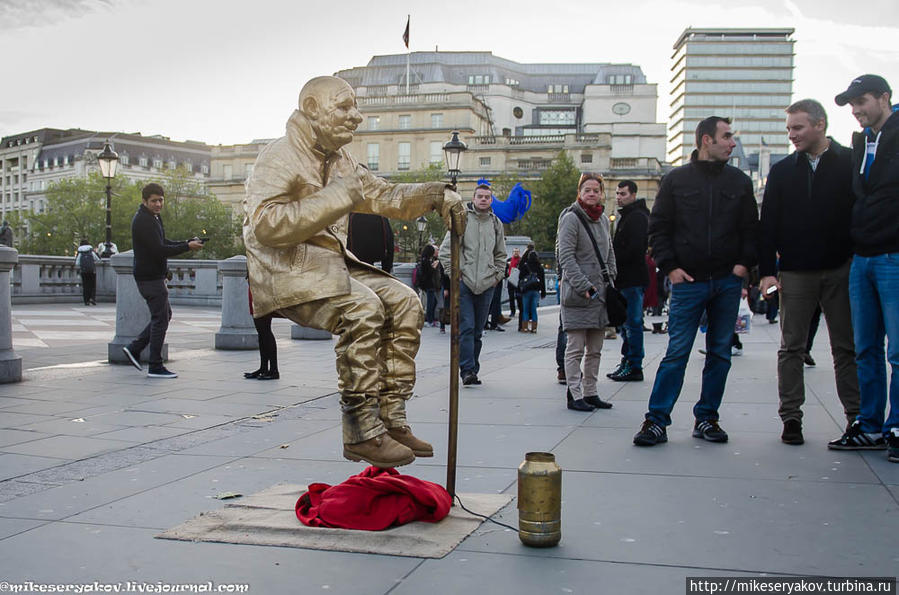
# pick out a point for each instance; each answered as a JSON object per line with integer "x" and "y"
{"x": 378, "y": 328}
{"x": 586, "y": 345}
{"x": 801, "y": 293}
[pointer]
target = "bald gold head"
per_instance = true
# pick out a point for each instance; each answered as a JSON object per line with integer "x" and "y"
{"x": 330, "y": 105}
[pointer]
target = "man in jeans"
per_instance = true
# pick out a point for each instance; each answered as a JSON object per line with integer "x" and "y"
{"x": 630, "y": 255}
{"x": 483, "y": 264}
{"x": 804, "y": 219}
{"x": 703, "y": 233}
{"x": 151, "y": 252}
{"x": 874, "y": 275}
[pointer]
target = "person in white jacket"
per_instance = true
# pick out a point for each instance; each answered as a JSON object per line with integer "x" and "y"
{"x": 86, "y": 263}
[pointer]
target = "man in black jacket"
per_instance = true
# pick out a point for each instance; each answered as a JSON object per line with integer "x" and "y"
{"x": 151, "y": 252}
{"x": 703, "y": 231}
{"x": 874, "y": 275}
{"x": 630, "y": 255}
{"x": 808, "y": 196}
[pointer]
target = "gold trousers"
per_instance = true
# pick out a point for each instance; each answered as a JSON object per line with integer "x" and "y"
{"x": 378, "y": 327}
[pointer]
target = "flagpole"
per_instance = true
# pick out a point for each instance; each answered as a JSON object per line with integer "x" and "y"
{"x": 408, "y": 53}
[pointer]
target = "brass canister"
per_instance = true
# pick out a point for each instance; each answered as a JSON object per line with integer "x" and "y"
{"x": 539, "y": 500}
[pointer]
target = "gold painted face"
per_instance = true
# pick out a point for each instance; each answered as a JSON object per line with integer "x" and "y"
{"x": 337, "y": 117}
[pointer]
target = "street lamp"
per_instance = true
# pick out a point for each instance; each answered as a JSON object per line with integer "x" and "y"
{"x": 422, "y": 224}
{"x": 108, "y": 159}
{"x": 453, "y": 150}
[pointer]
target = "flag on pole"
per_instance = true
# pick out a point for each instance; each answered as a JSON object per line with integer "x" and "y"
{"x": 406, "y": 32}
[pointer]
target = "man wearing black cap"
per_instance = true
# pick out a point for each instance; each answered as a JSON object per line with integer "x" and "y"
{"x": 874, "y": 276}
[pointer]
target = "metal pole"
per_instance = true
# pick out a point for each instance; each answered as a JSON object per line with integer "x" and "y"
{"x": 107, "y": 252}
{"x": 452, "y": 441}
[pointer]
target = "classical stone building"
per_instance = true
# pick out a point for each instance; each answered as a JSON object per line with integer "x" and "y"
{"x": 514, "y": 117}
{"x": 231, "y": 165}
{"x": 744, "y": 74}
{"x": 31, "y": 161}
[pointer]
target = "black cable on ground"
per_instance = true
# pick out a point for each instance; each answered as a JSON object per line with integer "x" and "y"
{"x": 486, "y": 518}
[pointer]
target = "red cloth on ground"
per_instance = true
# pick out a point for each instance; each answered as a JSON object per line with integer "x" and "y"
{"x": 374, "y": 500}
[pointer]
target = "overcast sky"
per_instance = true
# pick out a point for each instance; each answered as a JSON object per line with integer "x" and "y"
{"x": 223, "y": 71}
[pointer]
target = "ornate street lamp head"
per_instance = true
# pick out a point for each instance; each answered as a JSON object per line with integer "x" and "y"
{"x": 453, "y": 150}
{"x": 108, "y": 159}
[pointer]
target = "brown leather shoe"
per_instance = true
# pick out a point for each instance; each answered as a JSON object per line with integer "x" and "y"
{"x": 503, "y": 319}
{"x": 405, "y": 437}
{"x": 381, "y": 451}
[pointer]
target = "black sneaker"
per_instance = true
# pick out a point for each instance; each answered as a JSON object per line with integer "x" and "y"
{"x": 628, "y": 374}
{"x": 617, "y": 370}
{"x": 708, "y": 429}
{"x": 854, "y": 439}
{"x": 470, "y": 378}
{"x": 134, "y": 361}
{"x": 160, "y": 372}
{"x": 792, "y": 433}
{"x": 650, "y": 434}
{"x": 808, "y": 360}
{"x": 893, "y": 446}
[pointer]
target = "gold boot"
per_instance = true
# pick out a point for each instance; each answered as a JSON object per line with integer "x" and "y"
{"x": 405, "y": 437}
{"x": 381, "y": 451}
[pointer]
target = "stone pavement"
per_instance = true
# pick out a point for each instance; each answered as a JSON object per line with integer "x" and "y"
{"x": 97, "y": 459}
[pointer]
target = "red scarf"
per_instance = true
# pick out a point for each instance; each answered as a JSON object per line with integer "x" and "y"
{"x": 593, "y": 211}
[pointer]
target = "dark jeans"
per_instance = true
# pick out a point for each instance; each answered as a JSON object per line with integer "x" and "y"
{"x": 512, "y": 293}
{"x": 157, "y": 296}
{"x": 473, "y": 310}
{"x": 632, "y": 331}
{"x": 720, "y": 299}
{"x": 431, "y": 310}
{"x": 89, "y": 287}
{"x": 496, "y": 305}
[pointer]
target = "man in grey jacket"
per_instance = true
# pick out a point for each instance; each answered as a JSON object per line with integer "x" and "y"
{"x": 483, "y": 265}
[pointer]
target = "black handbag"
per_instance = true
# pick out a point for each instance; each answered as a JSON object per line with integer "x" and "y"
{"x": 616, "y": 304}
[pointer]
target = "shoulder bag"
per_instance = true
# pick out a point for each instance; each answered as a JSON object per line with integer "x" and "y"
{"x": 616, "y": 304}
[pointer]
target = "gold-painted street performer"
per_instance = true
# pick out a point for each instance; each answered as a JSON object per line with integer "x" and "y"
{"x": 299, "y": 196}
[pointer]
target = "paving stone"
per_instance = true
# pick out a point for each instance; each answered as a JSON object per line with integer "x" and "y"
{"x": 14, "y": 465}
{"x": 66, "y": 447}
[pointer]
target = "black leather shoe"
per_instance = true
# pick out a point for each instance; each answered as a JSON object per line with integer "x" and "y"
{"x": 253, "y": 374}
{"x": 595, "y": 401}
{"x": 577, "y": 404}
{"x": 270, "y": 375}
{"x": 792, "y": 433}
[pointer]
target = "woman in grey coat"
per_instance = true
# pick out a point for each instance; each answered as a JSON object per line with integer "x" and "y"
{"x": 582, "y": 291}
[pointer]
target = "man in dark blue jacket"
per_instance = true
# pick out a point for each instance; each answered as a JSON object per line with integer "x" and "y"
{"x": 151, "y": 252}
{"x": 804, "y": 219}
{"x": 874, "y": 276}
{"x": 703, "y": 230}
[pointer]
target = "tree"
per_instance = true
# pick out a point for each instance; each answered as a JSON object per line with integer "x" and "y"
{"x": 555, "y": 190}
{"x": 76, "y": 208}
{"x": 405, "y": 233}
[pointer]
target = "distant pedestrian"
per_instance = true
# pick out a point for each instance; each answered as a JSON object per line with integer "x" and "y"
{"x": 533, "y": 286}
{"x": 585, "y": 252}
{"x": 86, "y": 263}
{"x": 151, "y": 252}
{"x": 427, "y": 279}
{"x": 6, "y": 236}
{"x": 101, "y": 249}
{"x": 512, "y": 282}
{"x": 268, "y": 348}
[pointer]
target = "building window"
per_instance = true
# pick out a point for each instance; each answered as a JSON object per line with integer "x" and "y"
{"x": 374, "y": 122}
{"x": 620, "y": 79}
{"x": 436, "y": 152}
{"x": 157, "y": 163}
{"x": 204, "y": 169}
{"x": 436, "y": 120}
{"x": 405, "y": 122}
{"x": 248, "y": 170}
{"x": 478, "y": 79}
{"x": 227, "y": 171}
{"x": 512, "y": 82}
{"x": 586, "y": 157}
{"x": 173, "y": 164}
{"x": 557, "y": 117}
{"x": 142, "y": 161}
{"x": 484, "y": 161}
{"x": 557, "y": 88}
{"x": 404, "y": 156}
{"x": 124, "y": 158}
{"x": 374, "y": 155}
{"x": 189, "y": 167}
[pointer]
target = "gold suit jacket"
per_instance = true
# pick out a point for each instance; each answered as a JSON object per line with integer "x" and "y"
{"x": 296, "y": 210}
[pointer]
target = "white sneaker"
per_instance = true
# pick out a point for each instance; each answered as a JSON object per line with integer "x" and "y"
{"x": 736, "y": 351}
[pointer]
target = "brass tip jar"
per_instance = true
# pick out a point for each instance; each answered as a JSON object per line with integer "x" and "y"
{"x": 539, "y": 500}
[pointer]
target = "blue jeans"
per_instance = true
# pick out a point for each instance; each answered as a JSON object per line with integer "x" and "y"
{"x": 720, "y": 298}
{"x": 874, "y": 299}
{"x": 529, "y": 302}
{"x": 632, "y": 335}
{"x": 430, "y": 312}
{"x": 473, "y": 311}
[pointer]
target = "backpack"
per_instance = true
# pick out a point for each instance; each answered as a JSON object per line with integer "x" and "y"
{"x": 86, "y": 263}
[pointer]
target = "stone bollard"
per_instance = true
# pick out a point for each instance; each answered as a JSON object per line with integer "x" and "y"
{"x": 237, "y": 330}
{"x": 298, "y": 331}
{"x": 10, "y": 362}
{"x": 131, "y": 312}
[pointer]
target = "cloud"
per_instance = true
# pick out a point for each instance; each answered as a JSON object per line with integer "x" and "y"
{"x": 18, "y": 14}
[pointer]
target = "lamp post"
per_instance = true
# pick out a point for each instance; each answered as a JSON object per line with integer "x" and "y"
{"x": 108, "y": 159}
{"x": 453, "y": 150}
{"x": 422, "y": 224}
